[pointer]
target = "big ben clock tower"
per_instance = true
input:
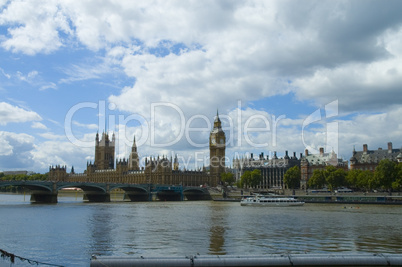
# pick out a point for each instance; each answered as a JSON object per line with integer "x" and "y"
{"x": 217, "y": 145}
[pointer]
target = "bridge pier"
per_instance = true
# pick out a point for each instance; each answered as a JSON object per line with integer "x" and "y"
{"x": 43, "y": 197}
{"x": 96, "y": 196}
{"x": 137, "y": 196}
{"x": 197, "y": 196}
{"x": 169, "y": 196}
{"x": 168, "y": 193}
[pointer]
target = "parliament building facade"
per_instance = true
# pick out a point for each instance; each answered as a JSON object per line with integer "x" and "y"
{"x": 159, "y": 170}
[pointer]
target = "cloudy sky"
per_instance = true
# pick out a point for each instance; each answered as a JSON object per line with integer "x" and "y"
{"x": 284, "y": 75}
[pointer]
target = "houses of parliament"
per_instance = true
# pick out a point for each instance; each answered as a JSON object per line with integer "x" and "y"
{"x": 160, "y": 170}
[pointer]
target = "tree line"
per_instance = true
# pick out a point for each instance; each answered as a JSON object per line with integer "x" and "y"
{"x": 20, "y": 177}
{"x": 248, "y": 179}
{"x": 387, "y": 176}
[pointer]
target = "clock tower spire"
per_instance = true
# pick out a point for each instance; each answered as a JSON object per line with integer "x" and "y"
{"x": 217, "y": 146}
{"x": 134, "y": 160}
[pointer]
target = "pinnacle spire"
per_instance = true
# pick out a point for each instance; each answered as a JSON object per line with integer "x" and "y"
{"x": 217, "y": 116}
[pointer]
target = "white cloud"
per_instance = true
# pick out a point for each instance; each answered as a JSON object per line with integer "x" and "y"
{"x": 9, "y": 113}
{"x": 365, "y": 87}
{"x": 15, "y": 151}
{"x": 36, "y": 29}
{"x": 3, "y": 2}
{"x": 84, "y": 72}
{"x": 52, "y": 136}
{"x": 59, "y": 152}
{"x": 192, "y": 81}
{"x": 8, "y": 76}
{"x": 26, "y": 78}
{"x": 49, "y": 85}
{"x": 374, "y": 129}
{"x": 278, "y": 52}
{"x": 38, "y": 125}
{"x": 88, "y": 126}
{"x": 5, "y": 148}
{"x": 229, "y": 50}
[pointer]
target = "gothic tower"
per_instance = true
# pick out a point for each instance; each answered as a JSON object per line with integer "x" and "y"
{"x": 176, "y": 164}
{"x": 104, "y": 152}
{"x": 134, "y": 163}
{"x": 217, "y": 145}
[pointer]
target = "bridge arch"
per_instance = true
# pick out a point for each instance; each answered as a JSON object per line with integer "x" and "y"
{"x": 33, "y": 186}
{"x": 134, "y": 192}
{"x": 41, "y": 191}
{"x": 46, "y": 191}
{"x": 196, "y": 193}
{"x": 92, "y": 192}
{"x": 83, "y": 186}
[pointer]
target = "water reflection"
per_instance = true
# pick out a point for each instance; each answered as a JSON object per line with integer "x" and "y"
{"x": 218, "y": 216}
{"x": 217, "y": 240}
{"x": 99, "y": 223}
{"x": 377, "y": 245}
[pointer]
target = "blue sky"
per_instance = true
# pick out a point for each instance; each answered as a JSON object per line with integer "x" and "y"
{"x": 284, "y": 75}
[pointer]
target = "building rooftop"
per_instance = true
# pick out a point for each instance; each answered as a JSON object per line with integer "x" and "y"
{"x": 375, "y": 156}
{"x": 322, "y": 158}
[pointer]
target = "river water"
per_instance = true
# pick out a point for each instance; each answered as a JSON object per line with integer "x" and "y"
{"x": 69, "y": 232}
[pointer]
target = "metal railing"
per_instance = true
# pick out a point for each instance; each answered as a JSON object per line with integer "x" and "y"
{"x": 336, "y": 259}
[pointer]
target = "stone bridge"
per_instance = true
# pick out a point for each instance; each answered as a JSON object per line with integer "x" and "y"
{"x": 47, "y": 191}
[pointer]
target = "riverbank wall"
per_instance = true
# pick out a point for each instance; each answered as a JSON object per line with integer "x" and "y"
{"x": 335, "y": 198}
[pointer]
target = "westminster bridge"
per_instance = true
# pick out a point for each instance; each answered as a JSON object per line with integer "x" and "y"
{"x": 47, "y": 191}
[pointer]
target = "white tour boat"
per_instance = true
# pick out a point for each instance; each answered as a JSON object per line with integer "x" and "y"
{"x": 260, "y": 200}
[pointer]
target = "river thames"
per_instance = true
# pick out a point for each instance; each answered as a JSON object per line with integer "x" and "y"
{"x": 69, "y": 232}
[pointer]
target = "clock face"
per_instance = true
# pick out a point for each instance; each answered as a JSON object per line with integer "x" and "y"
{"x": 221, "y": 141}
{"x": 213, "y": 140}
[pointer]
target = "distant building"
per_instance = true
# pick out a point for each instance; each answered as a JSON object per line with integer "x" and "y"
{"x": 157, "y": 170}
{"x": 311, "y": 162}
{"x": 58, "y": 173}
{"x": 17, "y": 172}
{"x": 369, "y": 159}
{"x": 272, "y": 170}
{"x": 104, "y": 152}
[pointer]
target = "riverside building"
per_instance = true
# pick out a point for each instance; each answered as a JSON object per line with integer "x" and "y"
{"x": 369, "y": 159}
{"x": 311, "y": 162}
{"x": 272, "y": 169}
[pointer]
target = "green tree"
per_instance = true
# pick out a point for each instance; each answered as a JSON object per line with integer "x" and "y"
{"x": 245, "y": 179}
{"x": 256, "y": 178}
{"x": 317, "y": 180}
{"x": 385, "y": 174}
{"x": 292, "y": 177}
{"x": 227, "y": 177}
{"x": 251, "y": 178}
{"x": 359, "y": 179}
{"x": 352, "y": 179}
{"x": 39, "y": 176}
{"x": 334, "y": 177}
{"x": 365, "y": 180}
{"x": 397, "y": 184}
